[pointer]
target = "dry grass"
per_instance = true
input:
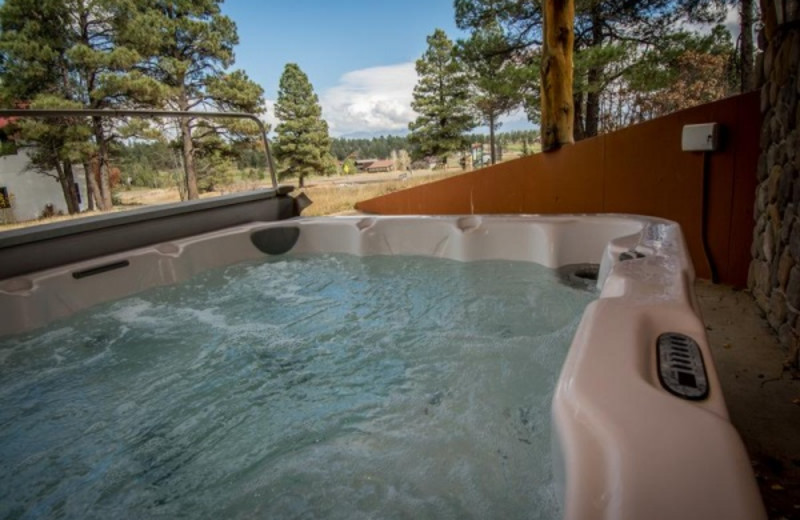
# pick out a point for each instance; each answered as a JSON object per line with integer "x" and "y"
{"x": 331, "y": 195}
{"x": 338, "y": 199}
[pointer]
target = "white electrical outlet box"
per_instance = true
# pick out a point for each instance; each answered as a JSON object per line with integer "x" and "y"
{"x": 700, "y": 138}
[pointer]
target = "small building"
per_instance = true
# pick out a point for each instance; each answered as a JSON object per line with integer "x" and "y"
{"x": 363, "y": 164}
{"x": 384, "y": 165}
{"x": 26, "y": 193}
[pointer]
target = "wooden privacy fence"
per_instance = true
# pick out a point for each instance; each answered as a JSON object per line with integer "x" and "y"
{"x": 640, "y": 170}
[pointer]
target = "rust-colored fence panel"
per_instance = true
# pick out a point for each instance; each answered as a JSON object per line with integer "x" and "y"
{"x": 640, "y": 169}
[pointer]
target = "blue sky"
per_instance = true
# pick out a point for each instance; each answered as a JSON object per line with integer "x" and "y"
{"x": 329, "y": 38}
{"x": 358, "y": 54}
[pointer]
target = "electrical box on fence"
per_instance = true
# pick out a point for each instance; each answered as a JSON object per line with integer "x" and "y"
{"x": 700, "y": 138}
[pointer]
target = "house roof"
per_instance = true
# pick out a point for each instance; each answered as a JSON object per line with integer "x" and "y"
{"x": 384, "y": 163}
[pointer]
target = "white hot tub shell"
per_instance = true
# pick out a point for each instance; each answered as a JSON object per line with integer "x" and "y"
{"x": 624, "y": 446}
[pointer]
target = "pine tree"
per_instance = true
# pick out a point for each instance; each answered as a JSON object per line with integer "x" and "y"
{"x": 610, "y": 38}
{"x": 67, "y": 54}
{"x": 496, "y": 84}
{"x": 103, "y": 77}
{"x": 32, "y": 56}
{"x": 441, "y": 98}
{"x": 303, "y": 145}
{"x": 188, "y": 45}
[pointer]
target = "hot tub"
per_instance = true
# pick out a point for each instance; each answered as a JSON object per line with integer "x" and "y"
{"x": 639, "y": 423}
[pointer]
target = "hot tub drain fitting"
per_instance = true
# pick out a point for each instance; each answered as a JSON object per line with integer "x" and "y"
{"x": 579, "y": 276}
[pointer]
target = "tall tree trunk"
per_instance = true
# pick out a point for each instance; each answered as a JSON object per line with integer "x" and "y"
{"x": 102, "y": 154}
{"x": 67, "y": 181}
{"x": 557, "y": 103}
{"x": 769, "y": 18}
{"x": 594, "y": 75}
{"x": 747, "y": 48}
{"x": 179, "y": 178}
{"x": 188, "y": 160}
{"x": 74, "y": 190}
{"x": 492, "y": 145}
{"x": 93, "y": 187}
{"x": 577, "y": 102}
{"x": 592, "y": 105}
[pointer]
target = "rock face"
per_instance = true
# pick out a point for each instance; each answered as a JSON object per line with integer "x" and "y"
{"x": 775, "y": 269}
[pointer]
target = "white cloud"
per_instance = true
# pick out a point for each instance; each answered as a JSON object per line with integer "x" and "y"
{"x": 731, "y": 23}
{"x": 269, "y": 117}
{"x": 374, "y": 100}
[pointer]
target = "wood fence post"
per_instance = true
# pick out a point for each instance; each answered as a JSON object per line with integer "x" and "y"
{"x": 557, "y": 107}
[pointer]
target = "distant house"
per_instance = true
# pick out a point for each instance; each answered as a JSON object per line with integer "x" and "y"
{"x": 375, "y": 165}
{"x": 385, "y": 165}
{"x": 363, "y": 164}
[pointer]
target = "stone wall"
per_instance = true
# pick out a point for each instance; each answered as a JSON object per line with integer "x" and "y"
{"x": 774, "y": 277}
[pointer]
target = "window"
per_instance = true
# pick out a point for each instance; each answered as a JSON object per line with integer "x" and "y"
{"x": 5, "y": 201}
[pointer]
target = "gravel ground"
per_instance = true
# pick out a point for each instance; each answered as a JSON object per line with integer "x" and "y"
{"x": 762, "y": 397}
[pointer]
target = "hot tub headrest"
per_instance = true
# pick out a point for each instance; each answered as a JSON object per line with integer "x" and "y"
{"x": 275, "y": 240}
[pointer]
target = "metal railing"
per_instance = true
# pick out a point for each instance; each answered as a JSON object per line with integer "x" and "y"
{"x": 94, "y": 112}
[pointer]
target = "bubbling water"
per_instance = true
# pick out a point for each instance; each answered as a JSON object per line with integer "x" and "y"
{"x": 313, "y": 386}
